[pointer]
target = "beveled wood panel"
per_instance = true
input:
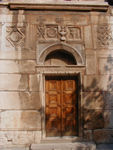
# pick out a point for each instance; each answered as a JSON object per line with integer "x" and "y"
{"x": 61, "y": 106}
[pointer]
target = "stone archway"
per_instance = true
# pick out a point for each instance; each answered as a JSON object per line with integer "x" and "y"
{"x": 58, "y": 47}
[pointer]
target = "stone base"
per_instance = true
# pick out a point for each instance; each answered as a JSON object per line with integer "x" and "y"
{"x": 64, "y": 146}
{"x": 14, "y": 147}
{"x": 105, "y": 147}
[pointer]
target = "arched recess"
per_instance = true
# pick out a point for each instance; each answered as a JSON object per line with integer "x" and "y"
{"x": 64, "y": 47}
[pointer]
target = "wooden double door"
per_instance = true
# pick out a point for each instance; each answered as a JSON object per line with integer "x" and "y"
{"x": 61, "y": 106}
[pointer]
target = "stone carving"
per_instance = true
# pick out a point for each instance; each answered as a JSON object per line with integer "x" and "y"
{"x": 51, "y": 32}
{"x": 62, "y": 31}
{"x": 58, "y": 31}
{"x": 41, "y": 31}
{"x": 74, "y": 33}
{"x": 15, "y": 35}
{"x": 104, "y": 36}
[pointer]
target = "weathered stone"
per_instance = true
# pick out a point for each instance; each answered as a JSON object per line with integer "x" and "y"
{"x": 88, "y": 37}
{"x": 19, "y": 137}
{"x": 13, "y": 82}
{"x": 97, "y": 100}
{"x": 20, "y": 54}
{"x": 108, "y": 115}
{"x": 64, "y": 146}
{"x": 93, "y": 100}
{"x": 17, "y": 147}
{"x": 90, "y": 64}
{"x": 93, "y": 119}
{"x": 88, "y": 135}
{"x": 23, "y": 66}
{"x": 20, "y": 100}
{"x": 103, "y": 136}
{"x": 35, "y": 83}
{"x": 105, "y": 147}
{"x": 20, "y": 120}
{"x": 98, "y": 83}
{"x": 105, "y": 65}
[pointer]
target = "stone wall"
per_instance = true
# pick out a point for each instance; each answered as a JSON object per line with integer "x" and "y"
{"x": 22, "y": 42}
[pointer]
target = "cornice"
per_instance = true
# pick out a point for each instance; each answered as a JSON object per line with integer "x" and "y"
{"x": 82, "y": 6}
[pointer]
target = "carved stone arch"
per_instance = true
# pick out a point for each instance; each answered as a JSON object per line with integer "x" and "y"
{"x": 59, "y": 46}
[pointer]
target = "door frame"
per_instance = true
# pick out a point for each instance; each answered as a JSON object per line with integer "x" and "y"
{"x": 44, "y": 71}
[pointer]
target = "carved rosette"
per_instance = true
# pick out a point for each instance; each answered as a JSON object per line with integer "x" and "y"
{"x": 104, "y": 36}
{"x": 15, "y": 35}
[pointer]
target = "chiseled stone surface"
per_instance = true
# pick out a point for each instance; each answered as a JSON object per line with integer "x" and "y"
{"x": 20, "y": 120}
{"x": 20, "y": 100}
{"x": 64, "y": 146}
{"x": 103, "y": 136}
{"x": 19, "y": 137}
{"x": 17, "y": 147}
{"x": 15, "y": 82}
{"x": 23, "y": 66}
{"x": 105, "y": 147}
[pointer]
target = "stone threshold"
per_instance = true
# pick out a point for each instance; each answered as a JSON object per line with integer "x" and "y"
{"x": 64, "y": 146}
{"x": 14, "y": 147}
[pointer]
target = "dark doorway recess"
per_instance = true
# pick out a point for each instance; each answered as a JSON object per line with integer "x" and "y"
{"x": 60, "y": 57}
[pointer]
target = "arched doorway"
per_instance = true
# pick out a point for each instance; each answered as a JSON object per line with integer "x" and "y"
{"x": 59, "y": 68}
{"x": 61, "y": 97}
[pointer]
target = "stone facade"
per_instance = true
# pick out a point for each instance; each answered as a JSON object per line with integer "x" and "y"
{"x": 29, "y": 32}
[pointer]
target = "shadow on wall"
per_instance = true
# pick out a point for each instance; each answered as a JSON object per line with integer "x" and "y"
{"x": 98, "y": 103}
{"x": 110, "y": 2}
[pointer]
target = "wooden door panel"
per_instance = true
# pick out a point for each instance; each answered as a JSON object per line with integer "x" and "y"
{"x": 68, "y": 121}
{"x": 53, "y": 121}
{"x": 61, "y": 107}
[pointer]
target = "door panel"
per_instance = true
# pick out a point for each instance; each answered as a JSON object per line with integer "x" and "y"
{"x": 61, "y": 106}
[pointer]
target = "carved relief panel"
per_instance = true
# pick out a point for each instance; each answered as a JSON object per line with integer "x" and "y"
{"x": 104, "y": 35}
{"x": 59, "y": 31}
{"x": 15, "y": 35}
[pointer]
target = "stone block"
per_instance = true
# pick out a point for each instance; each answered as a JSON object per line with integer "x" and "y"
{"x": 98, "y": 83}
{"x": 105, "y": 147}
{"x": 19, "y": 137}
{"x": 88, "y": 136}
{"x": 98, "y": 119}
{"x": 64, "y": 146}
{"x": 13, "y": 82}
{"x": 94, "y": 17}
{"x": 103, "y": 136}
{"x": 108, "y": 117}
{"x": 23, "y": 66}
{"x": 17, "y": 147}
{"x": 20, "y": 100}
{"x": 88, "y": 37}
{"x": 35, "y": 82}
{"x": 93, "y": 119}
{"x": 105, "y": 65}
{"x": 91, "y": 64}
{"x": 12, "y": 54}
{"x": 97, "y": 100}
{"x": 20, "y": 120}
{"x": 93, "y": 100}
{"x": 108, "y": 100}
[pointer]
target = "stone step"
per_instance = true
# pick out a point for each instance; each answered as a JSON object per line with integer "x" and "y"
{"x": 14, "y": 147}
{"x": 64, "y": 146}
{"x": 105, "y": 147}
